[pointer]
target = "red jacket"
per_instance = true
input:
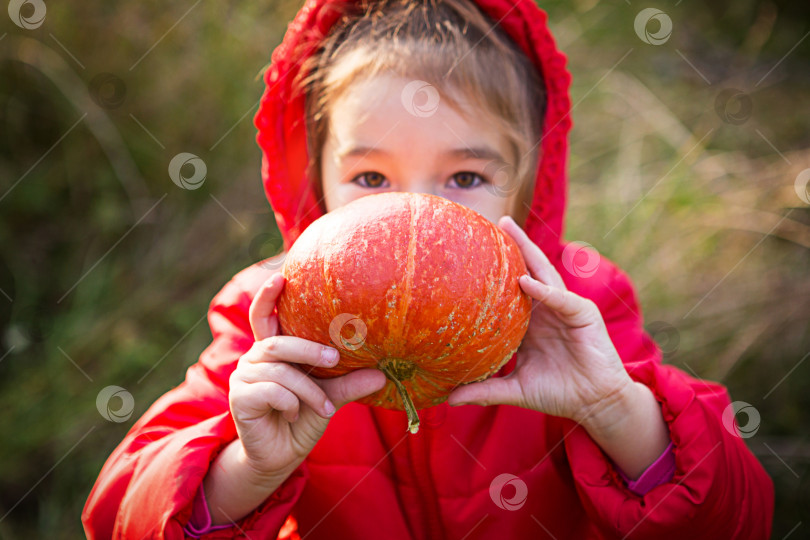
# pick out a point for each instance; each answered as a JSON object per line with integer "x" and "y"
{"x": 368, "y": 478}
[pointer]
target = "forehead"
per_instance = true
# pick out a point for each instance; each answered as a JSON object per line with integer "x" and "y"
{"x": 395, "y": 112}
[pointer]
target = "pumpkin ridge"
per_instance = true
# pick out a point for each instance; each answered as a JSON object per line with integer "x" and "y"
{"x": 431, "y": 377}
{"x": 495, "y": 368}
{"x": 330, "y": 293}
{"x": 403, "y": 303}
{"x": 503, "y": 261}
{"x": 504, "y": 264}
{"x": 487, "y": 303}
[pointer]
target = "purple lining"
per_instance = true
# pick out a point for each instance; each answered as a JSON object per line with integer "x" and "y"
{"x": 660, "y": 472}
{"x": 200, "y": 521}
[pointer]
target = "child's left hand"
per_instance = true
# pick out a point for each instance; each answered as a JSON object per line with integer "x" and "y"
{"x": 566, "y": 365}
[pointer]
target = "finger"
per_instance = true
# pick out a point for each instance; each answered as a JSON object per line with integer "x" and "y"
{"x": 250, "y": 401}
{"x": 293, "y": 349}
{"x": 262, "y": 306}
{"x": 571, "y": 308}
{"x": 536, "y": 261}
{"x": 353, "y": 386}
{"x": 496, "y": 391}
{"x": 292, "y": 379}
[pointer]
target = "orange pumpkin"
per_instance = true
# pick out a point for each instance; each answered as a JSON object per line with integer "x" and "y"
{"x": 420, "y": 287}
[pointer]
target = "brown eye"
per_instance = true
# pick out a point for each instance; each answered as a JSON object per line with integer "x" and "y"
{"x": 370, "y": 179}
{"x": 467, "y": 179}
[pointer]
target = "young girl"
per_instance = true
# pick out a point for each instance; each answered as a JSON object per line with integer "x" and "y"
{"x": 583, "y": 434}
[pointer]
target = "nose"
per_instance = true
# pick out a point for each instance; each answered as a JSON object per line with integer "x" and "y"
{"x": 419, "y": 185}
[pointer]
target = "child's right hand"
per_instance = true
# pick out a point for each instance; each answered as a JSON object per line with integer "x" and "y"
{"x": 280, "y": 412}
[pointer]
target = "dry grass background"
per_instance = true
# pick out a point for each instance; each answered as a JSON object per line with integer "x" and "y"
{"x": 702, "y": 214}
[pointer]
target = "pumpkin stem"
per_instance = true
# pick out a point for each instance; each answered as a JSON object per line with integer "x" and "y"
{"x": 392, "y": 372}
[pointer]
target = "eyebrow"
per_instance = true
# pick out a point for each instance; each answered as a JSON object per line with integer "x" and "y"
{"x": 476, "y": 152}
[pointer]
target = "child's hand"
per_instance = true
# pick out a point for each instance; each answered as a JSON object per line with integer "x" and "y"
{"x": 279, "y": 411}
{"x": 566, "y": 365}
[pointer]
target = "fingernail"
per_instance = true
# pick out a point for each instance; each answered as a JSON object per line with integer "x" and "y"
{"x": 329, "y": 408}
{"x": 329, "y": 356}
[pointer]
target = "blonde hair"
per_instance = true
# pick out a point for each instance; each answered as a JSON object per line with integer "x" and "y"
{"x": 451, "y": 45}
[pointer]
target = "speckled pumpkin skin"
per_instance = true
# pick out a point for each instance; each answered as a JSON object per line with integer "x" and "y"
{"x": 435, "y": 283}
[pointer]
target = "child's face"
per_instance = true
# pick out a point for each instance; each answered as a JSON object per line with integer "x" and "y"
{"x": 375, "y": 145}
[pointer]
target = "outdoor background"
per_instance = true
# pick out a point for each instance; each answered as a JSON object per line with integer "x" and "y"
{"x": 686, "y": 168}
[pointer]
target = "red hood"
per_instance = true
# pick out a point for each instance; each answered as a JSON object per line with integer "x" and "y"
{"x": 282, "y": 130}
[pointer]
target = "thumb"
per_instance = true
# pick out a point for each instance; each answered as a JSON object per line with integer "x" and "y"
{"x": 352, "y": 386}
{"x": 495, "y": 391}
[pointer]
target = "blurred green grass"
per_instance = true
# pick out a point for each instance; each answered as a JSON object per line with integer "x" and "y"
{"x": 718, "y": 246}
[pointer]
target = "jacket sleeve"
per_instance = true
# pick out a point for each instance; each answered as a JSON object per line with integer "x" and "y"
{"x": 719, "y": 489}
{"x": 147, "y": 486}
